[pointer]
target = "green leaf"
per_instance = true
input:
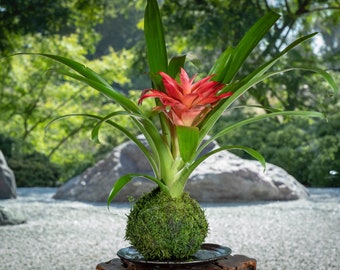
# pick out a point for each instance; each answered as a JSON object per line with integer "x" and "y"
{"x": 240, "y": 87}
{"x": 175, "y": 65}
{"x": 185, "y": 173}
{"x": 76, "y": 66}
{"x": 152, "y": 158}
{"x": 122, "y": 100}
{"x": 102, "y": 120}
{"x": 222, "y": 64}
{"x": 231, "y": 60}
{"x": 249, "y": 42}
{"x": 324, "y": 74}
{"x": 156, "y": 49}
{"x": 91, "y": 78}
{"x": 187, "y": 141}
{"x": 158, "y": 147}
{"x": 155, "y": 43}
{"x": 125, "y": 179}
{"x": 252, "y": 152}
{"x": 258, "y": 118}
{"x": 255, "y": 154}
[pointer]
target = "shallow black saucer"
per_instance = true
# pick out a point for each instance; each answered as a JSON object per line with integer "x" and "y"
{"x": 206, "y": 254}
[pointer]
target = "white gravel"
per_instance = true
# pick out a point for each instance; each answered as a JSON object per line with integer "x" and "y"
{"x": 302, "y": 234}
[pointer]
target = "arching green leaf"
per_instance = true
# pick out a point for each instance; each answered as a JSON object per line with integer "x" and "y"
{"x": 125, "y": 179}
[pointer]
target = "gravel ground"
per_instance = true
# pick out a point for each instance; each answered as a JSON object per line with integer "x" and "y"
{"x": 303, "y": 234}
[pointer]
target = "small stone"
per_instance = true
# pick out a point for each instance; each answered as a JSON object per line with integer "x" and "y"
{"x": 11, "y": 216}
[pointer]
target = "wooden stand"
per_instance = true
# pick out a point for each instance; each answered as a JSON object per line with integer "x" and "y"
{"x": 232, "y": 262}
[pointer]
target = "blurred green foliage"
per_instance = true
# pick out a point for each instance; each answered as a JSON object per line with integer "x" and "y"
{"x": 32, "y": 94}
{"x": 107, "y": 36}
{"x": 35, "y": 169}
{"x": 307, "y": 149}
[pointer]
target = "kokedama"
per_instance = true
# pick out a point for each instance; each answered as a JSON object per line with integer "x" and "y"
{"x": 161, "y": 227}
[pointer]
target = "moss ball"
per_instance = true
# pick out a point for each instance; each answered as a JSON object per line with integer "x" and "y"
{"x": 162, "y": 228}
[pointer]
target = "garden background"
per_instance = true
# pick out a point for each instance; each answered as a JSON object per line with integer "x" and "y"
{"x": 107, "y": 36}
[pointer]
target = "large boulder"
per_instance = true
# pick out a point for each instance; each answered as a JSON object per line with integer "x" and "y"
{"x": 221, "y": 178}
{"x": 8, "y": 187}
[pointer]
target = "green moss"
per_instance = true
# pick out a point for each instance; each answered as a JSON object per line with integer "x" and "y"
{"x": 163, "y": 228}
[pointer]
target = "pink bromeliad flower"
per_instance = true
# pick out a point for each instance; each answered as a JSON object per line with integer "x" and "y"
{"x": 186, "y": 103}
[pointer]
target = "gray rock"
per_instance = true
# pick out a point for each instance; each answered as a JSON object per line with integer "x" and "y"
{"x": 226, "y": 177}
{"x": 11, "y": 216}
{"x": 8, "y": 188}
{"x": 95, "y": 183}
{"x": 222, "y": 177}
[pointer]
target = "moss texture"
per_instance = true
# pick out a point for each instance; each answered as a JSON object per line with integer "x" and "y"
{"x": 162, "y": 228}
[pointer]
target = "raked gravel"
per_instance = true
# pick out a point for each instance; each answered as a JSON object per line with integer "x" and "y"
{"x": 302, "y": 234}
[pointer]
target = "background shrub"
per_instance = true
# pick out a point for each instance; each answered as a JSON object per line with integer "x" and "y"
{"x": 30, "y": 169}
{"x": 307, "y": 149}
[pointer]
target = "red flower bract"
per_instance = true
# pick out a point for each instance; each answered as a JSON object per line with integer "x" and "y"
{"x": 186, "y": 103}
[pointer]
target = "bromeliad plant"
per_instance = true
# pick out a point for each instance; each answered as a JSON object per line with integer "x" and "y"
{"x": 166, "y": 224}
